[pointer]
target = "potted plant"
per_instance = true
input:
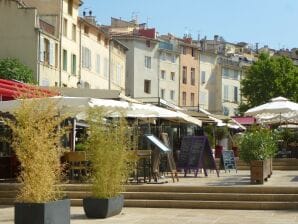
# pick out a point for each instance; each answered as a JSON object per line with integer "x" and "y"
{"x": 36, "y": 141}
{"x": 108, "y": 148}
{"x": 221, "y": 134}
{"x": 257, "y": 147}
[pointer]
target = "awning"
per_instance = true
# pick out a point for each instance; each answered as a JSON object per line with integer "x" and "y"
{"x": 10, "y": 89}
{"x": 245, "y": 120}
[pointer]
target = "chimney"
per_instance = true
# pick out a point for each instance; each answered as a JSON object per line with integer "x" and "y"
{"x": 216, "y": 37}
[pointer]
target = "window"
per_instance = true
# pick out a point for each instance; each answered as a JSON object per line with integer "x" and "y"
{"x": 235, "y": 94}
{"x": 163, "y": 74}
{"x": 148, "y": 43}
{"x": 86, "y": 58}
{"x": 86, "y": 30}
{"x": 163, "y": 56}
{"x": 73, "y": 64}
{"x": 98, "y": 64}
{"x": 106, "y": 42}
{"x": 193, "y": 52}
{"x": 147, "y": 86}
{"x": 192, "y": 99}
{"x": 225, "y": 73}
{"x": 203, "y": 77}
{"x": 65, "y": 27}
{"x": 183, "y": 50}
{"x": 184, "y": 75}
{"x": 106, "y": 67}
{"x": 173, "y": 58}
{"x": 65, "y": 60}
{"x": 147, "y": 62}
{"x": 44, "y": 50}
{"x": 172, "y": 94}
{"x": 74, "y": 32}
{"x": 162, "y": 93}
{"x": 99, "y": 37}
{"x": 173, "y": 76}
{"x": 226, "y": 92}
{"x": 183, "y": 98}
{"x": 226, "y": 111}
{"x": 70, "y": 6}
{"x": 235, "y": 76}
{"x": 192, "y": 75}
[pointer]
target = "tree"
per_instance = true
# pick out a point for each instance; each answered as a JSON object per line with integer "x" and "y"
{"x": 267, "y": 78}
{"x": 12, "y": 68}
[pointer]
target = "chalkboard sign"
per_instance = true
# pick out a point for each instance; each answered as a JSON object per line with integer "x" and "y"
{"x": 228, "y": 160}
{"x": 196, "y": 154}
{"x": 184, "y": 151}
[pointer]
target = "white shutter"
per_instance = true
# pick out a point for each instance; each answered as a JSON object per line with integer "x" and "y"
{"x": 52, "y": 53}
{"x": 41, "y": 48}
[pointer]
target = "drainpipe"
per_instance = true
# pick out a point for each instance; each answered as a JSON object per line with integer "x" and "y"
{"x": 80, "y": 54}
{"x": 38, "y": 58}
{"x": 110, "y": 61}
{"x": 158, "y": 80}
{"x": 60, "y": 43}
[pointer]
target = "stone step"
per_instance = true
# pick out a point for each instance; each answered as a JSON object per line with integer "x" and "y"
{"x": 196, "y": 196}
{"x": 212, "y": 204}
{"x": 8, "y": 194}
{"x": 213, "y": 189}
{"x": 7, "y": 201}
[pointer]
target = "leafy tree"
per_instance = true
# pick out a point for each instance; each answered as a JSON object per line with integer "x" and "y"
{"x": 267, "y": 78}
{"x": 11, "y": 68}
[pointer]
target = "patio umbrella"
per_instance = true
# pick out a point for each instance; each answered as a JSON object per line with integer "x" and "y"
{"x": 278, "y": 108}
{"x": 276, "y": 105}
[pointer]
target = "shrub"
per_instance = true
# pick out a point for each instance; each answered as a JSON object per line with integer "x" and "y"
{"x": 258, "y": 144}
{"x": 108, "y": 148}
{"x": 36, "y": 141}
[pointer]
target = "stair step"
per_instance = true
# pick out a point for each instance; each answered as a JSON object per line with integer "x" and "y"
{"x": 211, "y": 196}
{"x": 7, "y": 201}
{"x": 212, "y": 204}
{"x": 213, "y": 189}
{"x": 8, "y": 194}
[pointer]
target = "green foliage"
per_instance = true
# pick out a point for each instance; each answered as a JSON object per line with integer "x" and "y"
{"x": 36, "y": 141}
{"x": 267, "y": 78}
{"x": 258, "y": 144}
{"x": 221, "y": 132}
{"x": 11, "y": 68}
{"x": 108, "y": 148}
{"x": 210, "y": 135}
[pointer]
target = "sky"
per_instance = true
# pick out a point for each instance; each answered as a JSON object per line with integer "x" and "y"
{"x": 267, "y": 22}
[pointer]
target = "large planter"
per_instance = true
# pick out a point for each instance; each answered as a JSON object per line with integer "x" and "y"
{"x": 43, "y": 213}
{"x": 97, "y": 208}
{"x": 260, "y": 171}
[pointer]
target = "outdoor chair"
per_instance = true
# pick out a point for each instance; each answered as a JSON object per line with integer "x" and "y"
{"x": 77, "y": 164}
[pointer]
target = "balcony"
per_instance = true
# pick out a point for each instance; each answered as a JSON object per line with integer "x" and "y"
{"x": 166, "y": 46}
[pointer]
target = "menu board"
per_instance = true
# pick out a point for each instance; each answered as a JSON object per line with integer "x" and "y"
{"x": 184, "y": 152}
{"x": 228, "y": 160}
{"x": 195, "y": 153}
{"x": 158, "y": 143}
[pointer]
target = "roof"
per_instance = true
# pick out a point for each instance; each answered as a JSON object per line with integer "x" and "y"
{"x": 199, "y": 115}
{"x": 245, "y": 120}
{"x": 93, "y": 93}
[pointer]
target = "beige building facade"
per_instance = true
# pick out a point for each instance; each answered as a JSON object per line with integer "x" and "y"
{"x": 189, "y": 75}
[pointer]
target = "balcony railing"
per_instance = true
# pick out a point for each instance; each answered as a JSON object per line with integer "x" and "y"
{"x": 166, "y": 46}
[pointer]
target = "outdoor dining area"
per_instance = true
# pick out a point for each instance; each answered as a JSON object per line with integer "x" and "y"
{"x": 147, "y": 119}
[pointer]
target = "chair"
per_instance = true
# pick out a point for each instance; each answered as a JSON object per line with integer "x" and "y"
{"x": 144, "y": 166}
{"x": 77, "y": 164}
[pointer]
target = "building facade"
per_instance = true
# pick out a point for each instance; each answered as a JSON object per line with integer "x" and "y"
{"x": 189, "y": 74}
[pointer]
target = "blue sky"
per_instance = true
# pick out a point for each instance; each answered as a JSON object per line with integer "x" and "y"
{"x": 271, "y": 22}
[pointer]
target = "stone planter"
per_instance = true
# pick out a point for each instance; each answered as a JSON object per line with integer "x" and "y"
{"x": 103, "y": 208}
{"x": 43, "y": 213}
{"x": 260, "y": 171}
